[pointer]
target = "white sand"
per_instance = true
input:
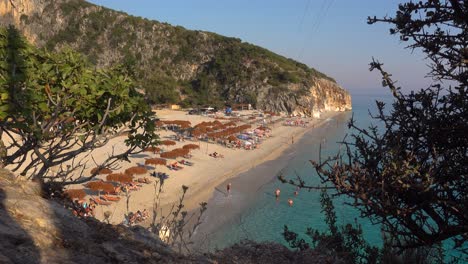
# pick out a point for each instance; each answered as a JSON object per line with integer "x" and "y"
{"x": 207, "y": 172}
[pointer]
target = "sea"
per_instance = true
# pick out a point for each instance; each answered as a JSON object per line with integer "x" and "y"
{"x": 251, "y": 211}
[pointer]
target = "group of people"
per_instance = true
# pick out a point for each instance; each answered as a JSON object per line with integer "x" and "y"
{"x": 290, "y": 200}
{"x": 296, "y": 122}
{"x": 135, "y": 218}
{"x": 83, "y": 209}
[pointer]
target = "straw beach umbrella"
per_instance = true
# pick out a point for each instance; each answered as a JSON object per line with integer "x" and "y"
{"x": 168, "y": 142}
{"x": 191, "y": 146}
{"x": 73, "y": 194}
{"x": 181, "y": 151}
{"x": 155, "y": 161}
{"x": 101, "y": 171}
{"x": 100, "y": 186}
{"x": 119, "y": 177}
{"x": 152, "y": 149}
{"x": 178, "y": 152}
{"x": 169, "y": 155}
{"x": 136, "y": 170}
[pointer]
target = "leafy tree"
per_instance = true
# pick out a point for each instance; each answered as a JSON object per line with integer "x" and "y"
{"x": 53, "y": 107}
{"x": 411, "y": 176}
{"x": 161, "y": 89}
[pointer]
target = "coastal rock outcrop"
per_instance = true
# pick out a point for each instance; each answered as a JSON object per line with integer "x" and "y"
{"x": 323, "y": 95}
{"x": 176, "y": 65}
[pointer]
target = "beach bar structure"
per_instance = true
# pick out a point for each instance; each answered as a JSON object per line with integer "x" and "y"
{"x": 240, "y": 107}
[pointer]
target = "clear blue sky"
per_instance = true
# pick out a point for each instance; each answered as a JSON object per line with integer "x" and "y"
{"x": 329, "y": 35}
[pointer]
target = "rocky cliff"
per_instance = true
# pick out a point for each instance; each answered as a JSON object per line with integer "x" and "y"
{"x": 174, "y": 64}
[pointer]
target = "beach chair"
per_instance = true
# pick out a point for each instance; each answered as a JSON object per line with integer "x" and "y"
{"x": 137, "y": 184}
{"x": 172, "y": 167}
{"x": 101, "y": 202}
{"x": 110, "y": 198}
{"x": 144, "y": 180}
{"x": 187, "y": 163}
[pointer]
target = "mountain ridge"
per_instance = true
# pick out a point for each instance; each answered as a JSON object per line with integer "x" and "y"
{"x": 176, "y": 65}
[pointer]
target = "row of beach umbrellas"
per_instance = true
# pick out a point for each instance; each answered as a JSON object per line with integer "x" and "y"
{"x": 106, "y": 186}
{"x": 228, "y": 132}
{"x": 127, "y": 176}
{"x": 181, "y": 123}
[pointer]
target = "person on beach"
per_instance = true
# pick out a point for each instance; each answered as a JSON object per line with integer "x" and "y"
{"x": 292, "y": 139}
{"x": 277, "y": 193}
{"x": 228, "y": 188}
{"x": 290, "y": 202}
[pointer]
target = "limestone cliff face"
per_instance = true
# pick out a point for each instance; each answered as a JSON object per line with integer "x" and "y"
{"x": 173, "y": 64}
{"x": 15, "y": 11}
{"x": 323, "y": 95}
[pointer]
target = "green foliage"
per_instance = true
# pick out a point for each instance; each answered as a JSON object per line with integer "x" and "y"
{"x": 279, "y": 89}
{"x": 202, "y": 91}
{"x": 69, "y": 34}
{"x": 231, "y": 65}
{"x": 46, "y": 96}
{"x": 161, "y": 89}
{"x": 250, "y": 98}
{"x": 12, "y": 72}
{"x": 70, "y": 7}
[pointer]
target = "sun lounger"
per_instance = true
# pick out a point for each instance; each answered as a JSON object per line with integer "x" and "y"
{"x": 136, "y": 184}
{"x": 185, "y": 162}
{"x": 101, "y": 202}
{"x": 133, "y": 188}
{"x": 144, "y": 180}
{"x": 172, "y": 167}
{"x": 176, "y": 166}
{"x": 110, "y": 198}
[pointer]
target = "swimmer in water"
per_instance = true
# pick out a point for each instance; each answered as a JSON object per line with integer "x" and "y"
{"x": 277, "y": 194}
{"x": 290, "y": 202}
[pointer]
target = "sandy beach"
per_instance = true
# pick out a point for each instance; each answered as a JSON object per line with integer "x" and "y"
{"x": 207, "y": 172}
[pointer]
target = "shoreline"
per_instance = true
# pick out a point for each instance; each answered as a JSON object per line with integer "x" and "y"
{"x": 200, "y": 195}
{"x": 230, "y": 210}
{"x": 207, "y": 173}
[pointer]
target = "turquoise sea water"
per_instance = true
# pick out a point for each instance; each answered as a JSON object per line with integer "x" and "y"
{"x": 263, "y": 218}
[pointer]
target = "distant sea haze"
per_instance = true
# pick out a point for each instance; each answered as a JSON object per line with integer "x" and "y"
{"x": 256, "y": 215}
